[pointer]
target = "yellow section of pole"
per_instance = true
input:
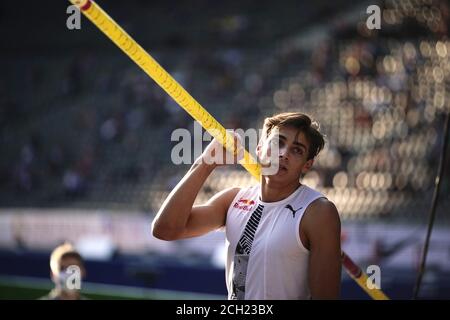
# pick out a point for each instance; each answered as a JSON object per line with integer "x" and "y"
{"x": 146, "y": 62}
{"x": 361, "y": 278}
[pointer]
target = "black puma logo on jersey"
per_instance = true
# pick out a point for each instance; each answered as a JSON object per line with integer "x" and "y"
{"x": 288, "y": 206}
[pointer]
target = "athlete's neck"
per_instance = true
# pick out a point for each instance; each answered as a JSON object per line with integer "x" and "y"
{"x": 273, "y": 193}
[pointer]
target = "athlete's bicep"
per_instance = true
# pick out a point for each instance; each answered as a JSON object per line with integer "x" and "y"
{"x": 211, "y": 215}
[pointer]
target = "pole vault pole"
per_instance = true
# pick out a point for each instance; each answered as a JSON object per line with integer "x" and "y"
{"x": 152, "y": 68}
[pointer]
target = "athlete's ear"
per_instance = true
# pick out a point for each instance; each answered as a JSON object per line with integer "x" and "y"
{"x": 307, "y": 166}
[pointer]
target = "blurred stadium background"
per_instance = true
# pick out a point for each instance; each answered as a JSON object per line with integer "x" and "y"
{"x": 85, "y": 135}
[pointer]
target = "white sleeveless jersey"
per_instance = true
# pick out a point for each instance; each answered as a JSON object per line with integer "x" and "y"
{"x": 265, "y": 256}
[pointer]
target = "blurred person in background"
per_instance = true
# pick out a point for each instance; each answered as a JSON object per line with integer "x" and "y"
{"x": 66, "y": 271}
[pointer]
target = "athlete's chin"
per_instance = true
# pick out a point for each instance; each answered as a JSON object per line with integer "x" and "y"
{"x": 280, "y": 176}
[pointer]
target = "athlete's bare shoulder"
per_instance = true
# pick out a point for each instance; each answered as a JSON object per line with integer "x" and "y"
{"x": 321, "y": 210}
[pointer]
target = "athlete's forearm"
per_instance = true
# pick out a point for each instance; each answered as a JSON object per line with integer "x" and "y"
{"x": 173, "y": 215}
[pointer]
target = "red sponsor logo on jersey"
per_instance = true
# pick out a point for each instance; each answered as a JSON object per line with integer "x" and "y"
{"x": 244, "y": 204}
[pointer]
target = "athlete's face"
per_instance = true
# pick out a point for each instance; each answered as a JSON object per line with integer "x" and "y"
{"x": 293, "y": 148}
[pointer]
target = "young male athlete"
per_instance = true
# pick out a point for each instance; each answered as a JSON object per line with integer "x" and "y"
{"x": 283, "y": 238}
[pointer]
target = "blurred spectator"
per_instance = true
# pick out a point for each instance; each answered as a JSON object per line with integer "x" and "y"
{"x": 73, "y": 183}
{"x": 66, "y": 271}
{"x": 56, "y": 160}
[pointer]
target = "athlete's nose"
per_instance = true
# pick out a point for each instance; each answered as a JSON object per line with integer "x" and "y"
{"x": 283, "y": 152}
